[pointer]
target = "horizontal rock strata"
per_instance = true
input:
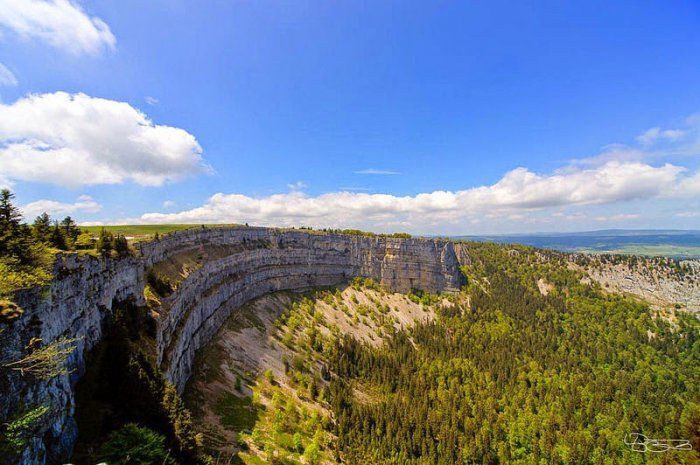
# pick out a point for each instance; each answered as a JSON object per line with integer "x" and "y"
{"x": 247, "y": 263}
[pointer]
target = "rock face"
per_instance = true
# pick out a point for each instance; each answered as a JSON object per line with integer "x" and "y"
{"x": 656, "y": 286}
{"x": 248, "y": 263}
{"x": 74, "y": 306}
{"x": 256, "y": 261}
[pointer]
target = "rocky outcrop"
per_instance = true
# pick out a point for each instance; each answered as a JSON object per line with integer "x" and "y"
{"x": 462, "y": 253}
{"x": 248, "y": 263}
{"x": 81, "y": 296}
{"x": 657, "y": 285}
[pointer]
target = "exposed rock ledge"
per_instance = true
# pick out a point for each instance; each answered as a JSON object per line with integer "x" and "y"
{"x": 250, "y": 262}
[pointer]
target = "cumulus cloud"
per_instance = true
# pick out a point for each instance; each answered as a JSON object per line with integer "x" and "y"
{"x": 84, "y": 204}
{"x": 61, "y": 23}
{"x": 517, "y": 194}
{"x": 7, "y": 78}
{"x": 74, "y": 139}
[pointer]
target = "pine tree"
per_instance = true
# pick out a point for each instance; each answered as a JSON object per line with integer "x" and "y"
{"x": 42, "y": 228}
{"x": 104, "y": 243}
{"x": 120, "y": 245}
{"x": 70, "y": 230}
{"x": 57, "y": 239}
{"x": 10, "y": 216}
{"x": 15, "y": 238}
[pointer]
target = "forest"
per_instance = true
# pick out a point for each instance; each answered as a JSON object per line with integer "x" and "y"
{"x": 510, "y": 375}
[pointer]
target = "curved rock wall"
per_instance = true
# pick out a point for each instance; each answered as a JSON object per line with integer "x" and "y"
{"x": 249, "y": 263}
{"x": 266, "y": 260}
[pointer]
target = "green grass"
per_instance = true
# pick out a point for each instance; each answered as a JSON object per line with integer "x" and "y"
{"x": 140, "y": 229}
{"x": 146, "y": 230}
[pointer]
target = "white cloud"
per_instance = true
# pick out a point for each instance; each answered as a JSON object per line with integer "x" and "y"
{"x": 656, "y": 134}
{"x": 377, "y": 172}
{"x": 61, "y": 23}
{"x": 75, "y": 139}
{"x": 688, "y": 214}
{"x": 151, "y": 100}
{"x": 519, "y": 193}
{"x": 169, "y": 204}
{"x": 84, "y": 204}
{"x": 7, "y": 78}
{"x": 688, "y": 186}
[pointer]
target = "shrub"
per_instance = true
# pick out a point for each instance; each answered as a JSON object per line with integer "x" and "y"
{"x": 135, "y": 445}
{"x": 15, "y": 434}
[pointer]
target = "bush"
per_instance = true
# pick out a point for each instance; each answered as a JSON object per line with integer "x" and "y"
{"x": 135, "y": 445}
{"x": 15, "y": 434}
{"x": 85, "y": 241}
{"x": 15, "y": 276}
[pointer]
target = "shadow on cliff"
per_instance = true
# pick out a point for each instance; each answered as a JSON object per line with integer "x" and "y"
{"x": 122, "y": 385}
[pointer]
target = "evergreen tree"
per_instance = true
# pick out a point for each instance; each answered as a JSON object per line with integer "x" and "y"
{"x": 104, "y": 243}
{"x": 70, "y": 230}
{"x": 120, "y": 245}
{"x": 57, "y": 239}
{"x": 15, "y": 238}
{"x": 42, "y": 228}
{"x": 10, "y": 216}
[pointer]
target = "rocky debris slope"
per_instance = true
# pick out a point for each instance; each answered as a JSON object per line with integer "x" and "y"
{"x": 657, "y": 283}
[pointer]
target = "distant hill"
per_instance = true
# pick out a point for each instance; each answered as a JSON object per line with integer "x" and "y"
{"x": 670, "y": 243}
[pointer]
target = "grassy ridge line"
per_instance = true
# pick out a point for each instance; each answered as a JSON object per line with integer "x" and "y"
{"x": 144, "y": 231}
{"x": 140, "y": 229}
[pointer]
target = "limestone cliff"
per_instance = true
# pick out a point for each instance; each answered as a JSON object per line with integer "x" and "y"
{"x": 661, "y": 286}
{"x": 218, "y": 269}
{"x": 81, "y": 295}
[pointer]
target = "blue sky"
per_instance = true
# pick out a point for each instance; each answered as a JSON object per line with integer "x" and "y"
{"x": 428, "y": 117}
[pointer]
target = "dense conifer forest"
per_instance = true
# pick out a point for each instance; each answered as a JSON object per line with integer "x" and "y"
{"x": 507, "y": 374}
